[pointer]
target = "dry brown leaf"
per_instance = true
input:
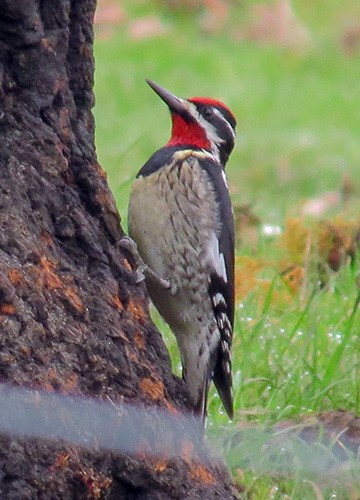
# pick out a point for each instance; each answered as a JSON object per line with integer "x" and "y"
{"x": 351, "y": 40}
{"x": 246, "y": 270}
{"x": 146, "y": 27}
{"x": 293, "y": 239}
{"x": 216, "y": 14}
{"x": 246, "y": 226}
{"x": 109, "y": 12}
{"x": 321, "y": 204}
{"x": 331, "y": 242}
{"x": 276, "y": 23}
{"x": 108, "y": 15}
{"x": 293, "y": 277}
{"x": 337, "y": 241}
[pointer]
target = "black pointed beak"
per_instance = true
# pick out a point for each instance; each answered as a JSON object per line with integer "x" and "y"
{"x": 175, "y": 104}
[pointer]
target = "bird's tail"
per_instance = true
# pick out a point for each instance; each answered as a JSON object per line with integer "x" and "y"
{"x": 200, "y": 408}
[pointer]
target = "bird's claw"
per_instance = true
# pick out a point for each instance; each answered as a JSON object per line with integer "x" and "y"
{"x": 142, "y": 270}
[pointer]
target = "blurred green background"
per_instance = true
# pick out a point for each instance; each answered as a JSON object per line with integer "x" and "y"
{"x": 293, "y": 81}
{"x": 290, "y": 71}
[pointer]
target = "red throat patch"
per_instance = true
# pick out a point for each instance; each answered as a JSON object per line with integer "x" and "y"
{"x": 187, "y": 132}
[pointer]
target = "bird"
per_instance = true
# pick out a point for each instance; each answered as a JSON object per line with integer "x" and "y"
{"x": 181, "y": 219}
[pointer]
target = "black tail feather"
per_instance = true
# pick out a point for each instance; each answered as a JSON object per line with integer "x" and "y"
{"x": 224, "y": 388}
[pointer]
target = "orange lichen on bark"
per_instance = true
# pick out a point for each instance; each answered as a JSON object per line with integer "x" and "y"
{"x": 46, "y": 238}
{"x": 136, "y": 310}
{"x": 153, "y": 388}
{"x": 139, "y": 340}
{"x": 52, "y": 376}
{"x": 48, "y": 276}
{"x": 47, "y": 387}
{"x": 94, "y": 483}
{"x": 160, "y": 465}
{"x": 100, "y": 171}
{"x": 47, "y": 44}
{"x": 127, "y": 265}
{"x": 7, "y": 309}
{"x": 116, "y": 302}
{"x": 15, "y": 276}
{"x": 61, "y": 461}
{"x": 70, "y": 384}
{"x": 73, "y": 297}
{"x": 66, "y": 383}
{"x": 201, "y": 474}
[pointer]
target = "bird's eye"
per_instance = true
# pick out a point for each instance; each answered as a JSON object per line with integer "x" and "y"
{"x": 207, "y": 112}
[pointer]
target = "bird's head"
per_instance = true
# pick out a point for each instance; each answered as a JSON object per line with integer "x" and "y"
{"x": 200, "y": 122}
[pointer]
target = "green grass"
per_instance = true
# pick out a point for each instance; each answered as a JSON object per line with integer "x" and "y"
{"x": 298, "y": 136}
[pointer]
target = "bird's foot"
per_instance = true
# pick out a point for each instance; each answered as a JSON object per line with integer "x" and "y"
{"x": 142, "y": 271}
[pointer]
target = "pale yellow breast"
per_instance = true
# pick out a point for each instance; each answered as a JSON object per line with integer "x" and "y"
{"x": 173, "y": 211}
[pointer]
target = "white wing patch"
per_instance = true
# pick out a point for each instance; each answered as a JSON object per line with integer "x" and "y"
{"x": 223, "y": 175}
{"x": 216, "y": 258}
{"x": 219, "y": 299}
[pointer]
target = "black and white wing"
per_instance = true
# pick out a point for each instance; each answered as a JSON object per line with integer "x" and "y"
{"x": 221, "y": 283}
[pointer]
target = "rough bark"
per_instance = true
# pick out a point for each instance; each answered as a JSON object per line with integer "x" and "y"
{"x": 72, "y": 318}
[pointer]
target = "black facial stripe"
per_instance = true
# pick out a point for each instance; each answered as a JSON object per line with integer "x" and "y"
{"x": 228, "y": 117}
{"x": 214, "y": 119}
{"x": 224, "y": 132}
{"x": 228, "y": 143}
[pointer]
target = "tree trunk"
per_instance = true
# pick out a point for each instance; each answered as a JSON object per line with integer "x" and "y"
{"x": 72, "y": 318}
